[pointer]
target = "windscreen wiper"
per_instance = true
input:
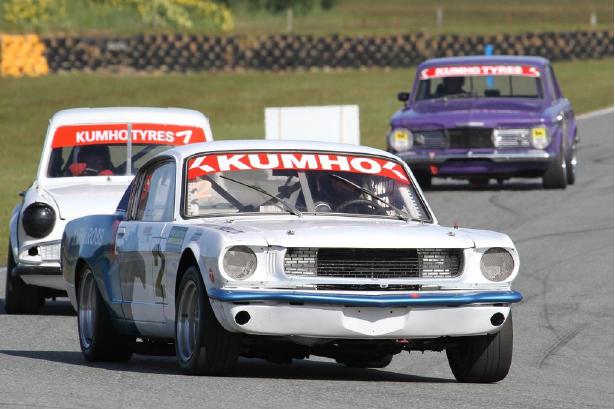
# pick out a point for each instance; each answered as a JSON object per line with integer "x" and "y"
{"x": 400, "y": 213}
{"x": 259, "y": 189}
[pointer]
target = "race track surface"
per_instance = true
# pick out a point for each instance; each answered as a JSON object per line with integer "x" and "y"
{"x": 563, "y": 353}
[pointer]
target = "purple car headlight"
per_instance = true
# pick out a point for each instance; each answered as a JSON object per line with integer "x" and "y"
{"x": 400, "y": 139}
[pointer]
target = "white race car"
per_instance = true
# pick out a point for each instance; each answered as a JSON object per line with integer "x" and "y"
{"x": 86, "y": 164}
{"x": 282, "y": 250}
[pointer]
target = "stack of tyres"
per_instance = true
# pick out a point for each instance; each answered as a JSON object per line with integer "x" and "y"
{"x": 164, "y": 52}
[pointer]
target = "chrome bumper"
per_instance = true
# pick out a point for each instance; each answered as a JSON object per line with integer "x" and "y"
{"x": 534, "y": 155}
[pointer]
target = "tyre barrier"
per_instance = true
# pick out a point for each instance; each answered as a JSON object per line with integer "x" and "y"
{"x": 22, "y": 55}
{"x": 190, "y": 53}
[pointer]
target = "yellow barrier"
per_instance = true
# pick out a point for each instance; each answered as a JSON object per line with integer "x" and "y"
{"x": 22, "y": 55}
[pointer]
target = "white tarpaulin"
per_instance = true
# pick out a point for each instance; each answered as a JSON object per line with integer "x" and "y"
{"x": 333, "y": 123}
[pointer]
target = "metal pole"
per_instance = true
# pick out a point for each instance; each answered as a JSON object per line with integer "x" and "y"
{"x": 129, "y": 151}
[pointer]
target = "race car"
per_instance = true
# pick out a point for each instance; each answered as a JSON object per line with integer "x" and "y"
{"x": 285, "y": 249}
{"x": 486, "y": 117}
{"x": 86, "y": 164}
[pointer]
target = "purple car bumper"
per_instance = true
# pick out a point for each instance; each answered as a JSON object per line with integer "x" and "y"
{"x": 483, "y": 162}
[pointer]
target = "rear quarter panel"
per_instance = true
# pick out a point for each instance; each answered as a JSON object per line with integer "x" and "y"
{"x": 90, "y": 241}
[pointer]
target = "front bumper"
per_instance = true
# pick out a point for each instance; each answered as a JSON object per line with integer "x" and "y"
{"x": 469, "y": 162}
{"x": 334, "y": 315}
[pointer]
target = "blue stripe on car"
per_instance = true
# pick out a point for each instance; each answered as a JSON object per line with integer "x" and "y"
{"x": 413, "y": 299}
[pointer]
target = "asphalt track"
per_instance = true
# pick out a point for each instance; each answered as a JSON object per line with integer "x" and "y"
{"x": 563, "y": 355}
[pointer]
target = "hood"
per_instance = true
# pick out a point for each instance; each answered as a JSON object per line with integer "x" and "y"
{"x": 356, "y": 233}
{"x": 479, "y": 112}
{"x": 86, "y": 198}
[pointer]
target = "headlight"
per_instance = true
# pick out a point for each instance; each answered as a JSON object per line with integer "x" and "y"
{"x": 38, "y": 220}
{"x": 540, "y": 137}
{"x": 497, "y": 264}
{"x": 400, "y": 139}
{"x": 239, "y": 262}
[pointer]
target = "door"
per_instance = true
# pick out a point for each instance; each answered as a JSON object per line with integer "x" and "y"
{"x": 142, "y": 265}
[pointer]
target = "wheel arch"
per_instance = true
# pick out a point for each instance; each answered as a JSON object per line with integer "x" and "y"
{"x": 186, "y": 260}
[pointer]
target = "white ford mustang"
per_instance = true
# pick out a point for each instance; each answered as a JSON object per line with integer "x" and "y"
{"x": 282, "y": 250}
{"x": 86, "y": 164}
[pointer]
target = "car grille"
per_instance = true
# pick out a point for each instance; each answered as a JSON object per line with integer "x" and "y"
{"x": 430, "y": 138}
{"x": 470, "y": 137}
{"x": 512, "y": 138}
{"x": 373, "y": 263}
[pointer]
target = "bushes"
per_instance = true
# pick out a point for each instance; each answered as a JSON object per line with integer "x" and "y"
{"x": 33, "y": 13}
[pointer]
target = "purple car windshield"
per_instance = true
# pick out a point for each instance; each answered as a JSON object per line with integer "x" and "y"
{"x": 479, "y": 81}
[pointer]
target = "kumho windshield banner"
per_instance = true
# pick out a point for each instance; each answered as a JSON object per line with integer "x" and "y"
{"x": 479, "y": 71}
{"x": 110, "y": 134}
{"x": 228, "y": 162}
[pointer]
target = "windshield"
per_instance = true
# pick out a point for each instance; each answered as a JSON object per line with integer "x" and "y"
{"x": 299, "y": 183}
{"x": 479, "y": 81}
{"x": 104, "y": 149}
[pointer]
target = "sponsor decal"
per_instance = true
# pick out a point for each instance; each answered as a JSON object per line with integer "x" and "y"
{"x": 114, "y": 134}
{"x": 479, "y": 71}
{"x": 176, "y": 239}
{"x": 228, "y": 162}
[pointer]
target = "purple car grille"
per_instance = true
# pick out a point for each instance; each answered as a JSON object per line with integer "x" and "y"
{"x": 454, "y": 138}
{"x": 470, "y": 137}
{"x": 373, "y": 263}
{"x": 430, "y": 138}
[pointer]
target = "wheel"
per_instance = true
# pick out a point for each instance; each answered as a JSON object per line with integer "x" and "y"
{"x": 20, "y": 298}
{"x": 556, "y": 175}
{"x": 571, "y": 165}
{"x": 374, "y": 362}
{"x": 202, "y": 346}
{"x": 99, "y": 340}
{"x": 483, "y": 358}
{"x": 423, "y": 179}
{"x": 479, "y": 182}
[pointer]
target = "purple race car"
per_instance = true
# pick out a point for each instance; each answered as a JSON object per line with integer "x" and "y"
{"x": 486, "y": 117}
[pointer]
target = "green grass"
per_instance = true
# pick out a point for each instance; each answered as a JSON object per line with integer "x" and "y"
{"x": 234, "y": 103}
{"x": 365, "y": 17}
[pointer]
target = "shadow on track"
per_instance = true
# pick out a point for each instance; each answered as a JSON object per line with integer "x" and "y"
{"x": 247, "y": 368}
{"x": 492, "y": 187}
{"x": 58, "y": 307}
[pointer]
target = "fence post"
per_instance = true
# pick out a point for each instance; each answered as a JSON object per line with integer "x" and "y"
{"x": 289, "y": 20}
{"x": 439, "y": 17}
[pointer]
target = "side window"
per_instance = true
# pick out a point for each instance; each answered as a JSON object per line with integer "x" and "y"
{"x": 156, "y": 196}
{"x": 558, "y": 92}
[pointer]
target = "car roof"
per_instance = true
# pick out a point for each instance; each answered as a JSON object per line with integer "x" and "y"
{"x": 76, "y": 116}
{"x": 486, "y": 59}
{"x": 185, "y": 151}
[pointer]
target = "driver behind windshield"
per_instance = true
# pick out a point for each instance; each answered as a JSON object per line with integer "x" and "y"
{"x": 92, "y": 160}
{"x": 450, "y": 86}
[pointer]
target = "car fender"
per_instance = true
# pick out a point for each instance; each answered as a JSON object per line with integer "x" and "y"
{"x": 13, "y": 230}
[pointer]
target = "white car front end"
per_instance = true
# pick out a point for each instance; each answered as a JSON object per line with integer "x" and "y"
{"x": 322, "y": 277}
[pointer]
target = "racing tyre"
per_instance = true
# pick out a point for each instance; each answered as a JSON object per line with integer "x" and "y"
{"x": 424, "y": 179}
{"x": 100, "y": 341}
{"x": 571, "y": 165}
{"x": 556, "y": 175}
{"x": 379, "y": 362}
{"x": 483, "y": 358}
{"x": 20, "y": 298}
{"x": 202, "y": 345}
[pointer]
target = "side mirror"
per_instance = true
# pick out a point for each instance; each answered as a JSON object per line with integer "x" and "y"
{"x": 403, "y": 96}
